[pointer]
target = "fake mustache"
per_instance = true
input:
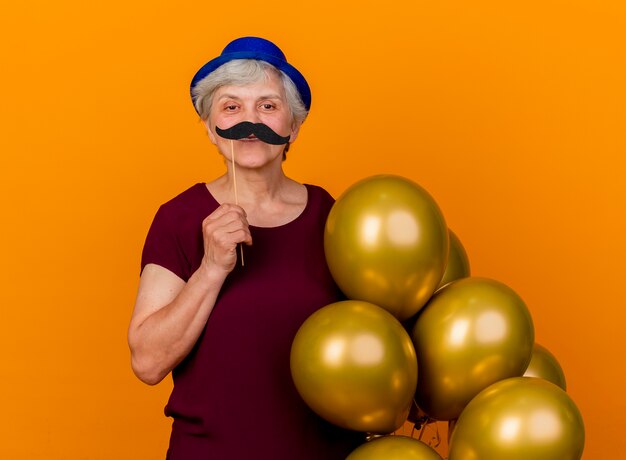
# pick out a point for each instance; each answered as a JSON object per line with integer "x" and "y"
{"x": 247, "y": 128}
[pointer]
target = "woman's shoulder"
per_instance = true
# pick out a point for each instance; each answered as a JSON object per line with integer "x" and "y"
{"x": 195, "y": 197}
{"x": 193, "y": 193}
{"x": 320, "y": 193}
{"x": 319, "y": 200}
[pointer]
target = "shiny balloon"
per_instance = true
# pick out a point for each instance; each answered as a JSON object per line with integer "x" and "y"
{"x": 519, "y": 418}
{"x": 544, "y": 365}
{"x": 354, "y": 364}
{"x": 386, "y": 242}
{"x": 394, "y": 448}
{"x": 458, "y": 265}
{"x": 472, "y": 333}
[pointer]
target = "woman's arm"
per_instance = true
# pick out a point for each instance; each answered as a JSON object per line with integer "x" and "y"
{"x": 170, "y": 314}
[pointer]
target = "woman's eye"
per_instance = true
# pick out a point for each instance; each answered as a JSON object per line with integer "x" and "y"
{"x": 231, "y": 107}
{"x": 267, "y": 106}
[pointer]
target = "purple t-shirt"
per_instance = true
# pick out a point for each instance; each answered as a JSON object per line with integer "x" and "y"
{"x": 233, "y": 395}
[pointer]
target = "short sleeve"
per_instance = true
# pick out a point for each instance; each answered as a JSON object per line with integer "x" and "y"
{"x": 163, "y": 246}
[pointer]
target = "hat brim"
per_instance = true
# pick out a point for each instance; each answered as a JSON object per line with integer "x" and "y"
{"x": 298, "y": 79}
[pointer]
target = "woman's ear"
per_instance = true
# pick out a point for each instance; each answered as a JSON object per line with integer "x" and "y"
{"x": 209, "y": 132}
{"x": 295, "y": 129}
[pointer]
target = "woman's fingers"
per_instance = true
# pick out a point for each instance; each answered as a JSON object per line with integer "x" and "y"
{"x": 223, "y": 230}
{"x": 229, "y": 219}
{"x": 225, "y": 209}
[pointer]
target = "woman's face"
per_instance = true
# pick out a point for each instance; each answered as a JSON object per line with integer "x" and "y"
{"x": 261, "y": 102}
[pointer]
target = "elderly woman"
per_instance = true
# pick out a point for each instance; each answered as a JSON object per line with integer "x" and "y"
{"x": 230, "y": 270}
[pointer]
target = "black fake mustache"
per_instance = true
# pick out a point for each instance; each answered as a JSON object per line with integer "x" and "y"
{"x": 246, "y": 128}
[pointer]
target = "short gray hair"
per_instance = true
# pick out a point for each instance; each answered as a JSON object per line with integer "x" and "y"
{"x": 240, "y": 72}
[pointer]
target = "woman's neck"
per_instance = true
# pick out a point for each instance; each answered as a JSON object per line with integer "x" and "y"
{"x": 250, "y": 186}
{"x": 267, "y": 201}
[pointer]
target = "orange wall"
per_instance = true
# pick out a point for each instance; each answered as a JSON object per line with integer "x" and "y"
{"x": 512, "y": 116}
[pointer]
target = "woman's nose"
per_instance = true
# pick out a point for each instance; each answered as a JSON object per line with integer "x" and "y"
{"x": 250, "y": 114}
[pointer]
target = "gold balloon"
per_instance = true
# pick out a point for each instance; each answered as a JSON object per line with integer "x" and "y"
{"x": 354, "y": 364}
{"x": 472, "y": 333}
{"x": 394, "y": 448}
{"x": 386, "y": 242}
{"x": 544, "y": 365}
{"x": 520, "y": 418}
{"x": 458, "y": 263}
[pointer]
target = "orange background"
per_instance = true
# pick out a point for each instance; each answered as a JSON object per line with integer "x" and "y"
{"x": 510, "y": 113}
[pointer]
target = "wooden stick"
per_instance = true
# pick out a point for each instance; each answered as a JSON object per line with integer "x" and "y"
{"x": 232, "y": 158}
